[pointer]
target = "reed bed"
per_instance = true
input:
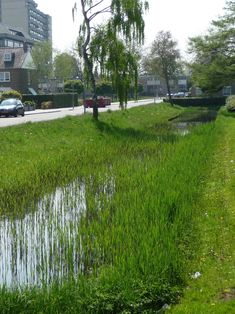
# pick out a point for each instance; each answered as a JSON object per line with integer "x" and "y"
{"x": 129, "y": 246}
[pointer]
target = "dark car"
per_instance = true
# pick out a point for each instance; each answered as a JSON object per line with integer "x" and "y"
{"x": 11, "y": 107}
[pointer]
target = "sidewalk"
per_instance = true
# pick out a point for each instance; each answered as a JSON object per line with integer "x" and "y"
{"x": 40, "y": 111}
{"x": 80, "y": 109}
{"x": 43, "y": 111}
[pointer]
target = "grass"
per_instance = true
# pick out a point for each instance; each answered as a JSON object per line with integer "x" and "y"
{"x": 58, "y": 151}
{"x": 141, "y": 240}
{"x": 213, "y": 291}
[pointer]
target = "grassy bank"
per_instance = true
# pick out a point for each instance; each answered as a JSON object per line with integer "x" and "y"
{"x": 214, "y": 291}
{"x": 37, "y": 157}
{"x": 144, "y": 184}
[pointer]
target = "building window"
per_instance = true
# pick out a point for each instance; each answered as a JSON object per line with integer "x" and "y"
{"x": 7, "y": 56}
{"x": 4, "y": 76}
{"x": 10, "y": 43}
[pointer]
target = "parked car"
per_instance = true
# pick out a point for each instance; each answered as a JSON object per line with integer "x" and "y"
{"x": 101, "y": 101}
{"x": 11, "y": 107}
{"x": 179, "y": 94}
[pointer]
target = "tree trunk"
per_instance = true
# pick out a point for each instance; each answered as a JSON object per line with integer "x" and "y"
{"x": 168, "y": 90}
{"x": 88, "y": 62}
{"x": 95, "y": 106}
{"x": 93, "y": 85}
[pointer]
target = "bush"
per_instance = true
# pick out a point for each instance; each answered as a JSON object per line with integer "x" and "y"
{"x": 73, "y": 86}
{"x": 58, "y": 100}
{"x": 11, "y": 94}
{"x": 230, "y": 103}
{"x": 29, "y": 103}
{"x": 47, "y": 105}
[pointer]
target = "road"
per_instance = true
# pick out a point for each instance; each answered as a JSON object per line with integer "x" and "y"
{"x": 52, "y": 114}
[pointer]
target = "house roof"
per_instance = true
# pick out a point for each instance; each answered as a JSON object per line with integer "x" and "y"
{"x": 14, "y": 32}
{"x": 20, "y": 59}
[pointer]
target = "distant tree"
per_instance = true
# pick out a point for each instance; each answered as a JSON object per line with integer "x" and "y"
{"x": 163, "y": 59}
{"x": 65, "y": 66}
{"x": 42, "y": 58}
{"x": 104, "y": 88}
{"x": 213, "y": 55}
{"x": 123, "y": 19}
{"x": 73, "y": 86}
{"x": 140, "y": 90}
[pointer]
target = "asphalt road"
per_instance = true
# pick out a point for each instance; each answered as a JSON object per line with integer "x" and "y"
{"x": 52, "y": 114}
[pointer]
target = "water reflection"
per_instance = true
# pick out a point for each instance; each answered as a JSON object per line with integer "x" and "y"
{"x": 44, "y": 245}
{"x": 183, "y": 128}
{"x": 186, "y": 121}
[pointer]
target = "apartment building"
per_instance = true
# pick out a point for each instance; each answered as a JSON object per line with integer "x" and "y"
{"x": 24, "y": 15}
{"x": 155, "y": 86}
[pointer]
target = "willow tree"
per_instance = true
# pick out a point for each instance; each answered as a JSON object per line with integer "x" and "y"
{"x": 124, "y": 21}
{"x": 117, "y": 61}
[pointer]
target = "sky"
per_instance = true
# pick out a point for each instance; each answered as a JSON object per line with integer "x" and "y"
{"x": 183, "y": 18}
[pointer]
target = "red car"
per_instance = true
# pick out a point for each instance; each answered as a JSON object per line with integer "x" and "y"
{"x": 102, "y": 102}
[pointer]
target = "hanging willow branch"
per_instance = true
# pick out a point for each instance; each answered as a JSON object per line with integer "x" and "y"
{"x": 124, "y": 20}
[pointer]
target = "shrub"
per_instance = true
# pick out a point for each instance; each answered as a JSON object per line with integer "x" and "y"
{"x": 47, "y": 105}
{"x": 80, "y": 102}
{"x": 11, "y": 94}
{"x": 73, "y": 86}
{"x": 29, "y": 103}
{"x": 230, "y": 103}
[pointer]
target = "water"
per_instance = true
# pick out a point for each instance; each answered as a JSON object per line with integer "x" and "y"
{"x": 186, "y": 121}
{"x": 43, "y": 246}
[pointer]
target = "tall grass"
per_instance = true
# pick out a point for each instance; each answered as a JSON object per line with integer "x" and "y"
{"x": 138, "y": 232}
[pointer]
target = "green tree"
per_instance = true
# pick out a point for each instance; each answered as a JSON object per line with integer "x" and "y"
{"x": 163, "y": 59}
{"x": 123, "y": 68}
{"x": 65, "y": 66}
{"x": 140, "y": 90}
{"x": 42, "y": 58}
{"x": 104, "y": 88}
{"x": 118, "y": 62}
{"x": 72, "y": 86}
{"x": 124, "y": 20}
{"x": 213, "y": 62}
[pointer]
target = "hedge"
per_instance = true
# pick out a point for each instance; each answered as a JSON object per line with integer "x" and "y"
{"x": 57, "y": 100}
{"x": 198, "y": 101}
